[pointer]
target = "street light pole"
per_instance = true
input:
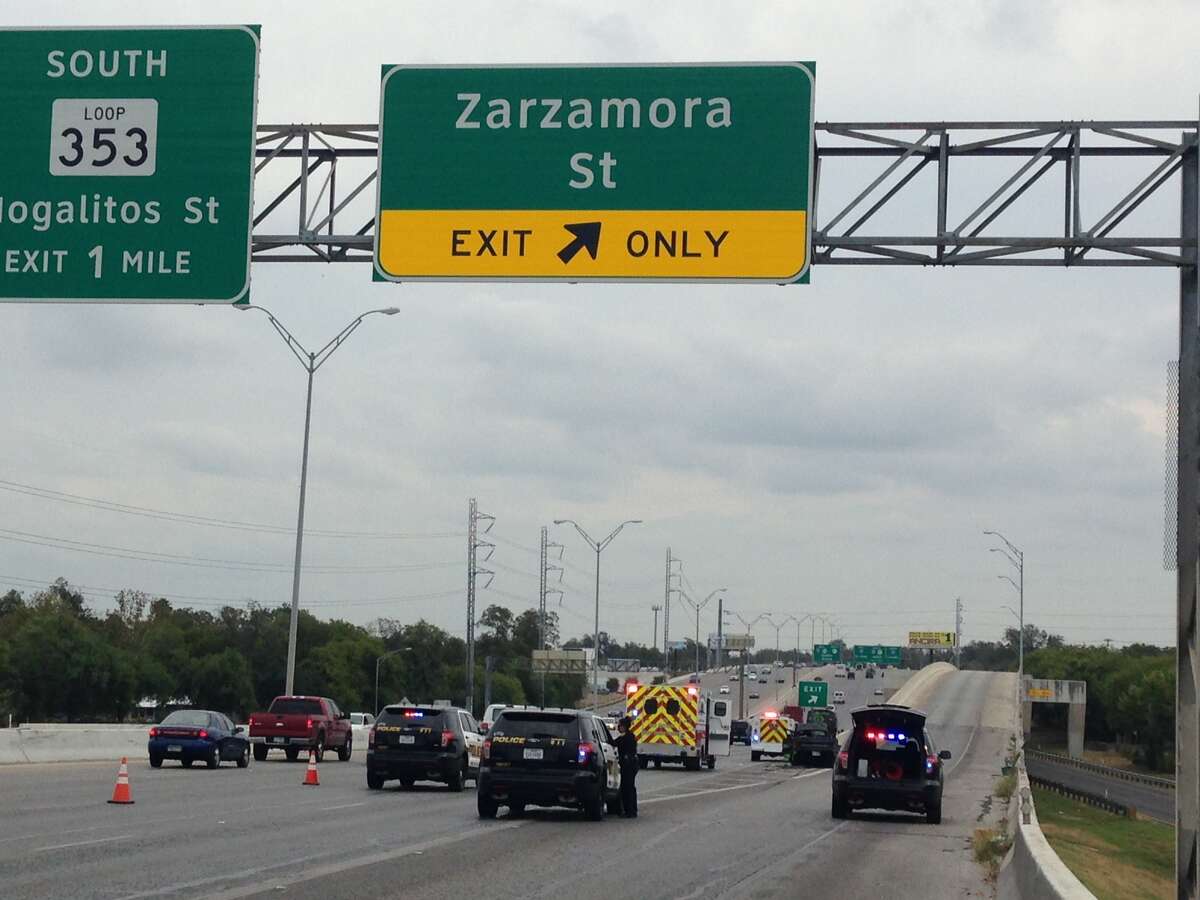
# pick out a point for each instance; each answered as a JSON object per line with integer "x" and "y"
{"x": 311, "y": 362}
{"x": 378, "y": 660}
{"x": 598, "y": 546}
{"x": 1017, "y": 558}
{"x": 697, "y": 607}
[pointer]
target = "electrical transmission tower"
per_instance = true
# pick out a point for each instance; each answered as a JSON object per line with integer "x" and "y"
{"x": 669, "y": 588}
{"x": 544, "y": 571}
{"x": 474, "y": 517}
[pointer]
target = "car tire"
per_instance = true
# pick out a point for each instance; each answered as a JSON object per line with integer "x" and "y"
{"x": 260, "y": 752}
{"x": 933, "y": 814}
{"x": 346, "y": 749}
{"x": 319, "y": 749}
{"x": 156, "y": 762}
{"x": 712, "y": 762}
{"x": 186, "y": 763}
{"x": 516, "y": 810}
{"x": 292, "y": 754}
{"x": 594, "y": 806}
{"x": 214, "y": 758}
{"x": 755, "y": 755}
{"x": 374, "y": 782}
{"x": 243, "y": 761}
{"x": 458, "y": 776}
{"x": 838, "y": 808}
{"x": 487, "y": 807}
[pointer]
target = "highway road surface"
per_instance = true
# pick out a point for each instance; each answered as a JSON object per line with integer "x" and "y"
{"x": 760, "y": 830}
{"x": 1157, "y": 803}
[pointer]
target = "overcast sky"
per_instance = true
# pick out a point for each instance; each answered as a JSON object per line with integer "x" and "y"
{"x": 837, "y": 447}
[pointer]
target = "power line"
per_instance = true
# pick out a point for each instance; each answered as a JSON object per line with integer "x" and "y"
{"x": 203, "y": 562}
{"x": 191, "y": 519}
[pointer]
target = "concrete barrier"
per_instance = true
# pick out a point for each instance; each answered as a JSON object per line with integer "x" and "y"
{"x": 1032, "y": 870}
{"x": 918, "y": 689}
{"x": 49, "y": 742}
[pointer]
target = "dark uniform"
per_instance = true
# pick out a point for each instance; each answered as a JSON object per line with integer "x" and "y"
{"x": 627, "y": 759}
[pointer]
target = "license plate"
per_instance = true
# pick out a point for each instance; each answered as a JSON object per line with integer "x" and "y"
{"x": 406, "y": 739}
{"x": 816, "y": 753}
{"x": 533, "y": 754}
{"x": 174, "y": 748}
{"x": 277, "y": 740}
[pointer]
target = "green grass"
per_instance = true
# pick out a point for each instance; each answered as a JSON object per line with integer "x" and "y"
{"x": 1113, "y": 856}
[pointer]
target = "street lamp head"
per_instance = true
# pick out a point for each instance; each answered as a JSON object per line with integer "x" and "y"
{"x": 562, "y": 521}
{"x": 390, "y": 310}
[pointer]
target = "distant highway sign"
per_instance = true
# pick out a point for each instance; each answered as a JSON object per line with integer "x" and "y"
{"x": 595, "y": 173}
{"x": 826, "y": 653}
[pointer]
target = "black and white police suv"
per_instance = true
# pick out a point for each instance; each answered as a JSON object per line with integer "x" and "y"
{"x": 549, "y": 757}
{"x": 889, "y": 761}
{"x": 423, "y": 743}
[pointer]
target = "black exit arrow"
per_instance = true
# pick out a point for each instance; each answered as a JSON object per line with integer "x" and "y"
{"x": 587, "y": 236}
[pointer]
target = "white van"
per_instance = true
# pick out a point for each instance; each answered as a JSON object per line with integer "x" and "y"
{"x": 493, "y": 710}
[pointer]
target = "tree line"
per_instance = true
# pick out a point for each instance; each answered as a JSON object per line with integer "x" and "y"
{"x": 61, "y": 660}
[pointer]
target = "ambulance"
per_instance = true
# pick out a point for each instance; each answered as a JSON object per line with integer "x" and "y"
{"x": 767, "y": 733}
{"x": 678, "y": 724}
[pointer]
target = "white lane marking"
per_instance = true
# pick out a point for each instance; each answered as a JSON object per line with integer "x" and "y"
{"x": 966, "y": 750}
{"x": 343, "y": 806}
{"x": 736, "y": 787}
{"x": 107, "y": 840}
{"x": 810, "y": 774}
{"x": 332, "y": 868}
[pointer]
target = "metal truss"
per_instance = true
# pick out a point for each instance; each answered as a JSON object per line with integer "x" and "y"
{"x": 954, "y": 193}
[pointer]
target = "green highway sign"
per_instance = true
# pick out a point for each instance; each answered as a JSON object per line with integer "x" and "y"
{"x": 129, "y": 167}
{"x": 814, "y": 693}
{"x": 876, "y": 653}
{"x": 572, "y": 173}
{"x": 826, "y": 653}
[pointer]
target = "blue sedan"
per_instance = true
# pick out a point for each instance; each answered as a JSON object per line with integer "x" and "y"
{"x": 191, "y": 735}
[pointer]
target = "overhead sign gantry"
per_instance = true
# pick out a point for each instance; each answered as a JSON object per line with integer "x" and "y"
{"x": 595, "y": 173}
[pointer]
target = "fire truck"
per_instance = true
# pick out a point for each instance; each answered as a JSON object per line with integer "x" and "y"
{"x": 678, "y": 723}
{"x": 767, "y": 734}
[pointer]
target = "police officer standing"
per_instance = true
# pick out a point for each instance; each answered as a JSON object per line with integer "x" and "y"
{"x": 627, "y": 759}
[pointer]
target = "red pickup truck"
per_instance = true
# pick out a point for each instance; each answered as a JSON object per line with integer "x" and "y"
{"x": 293, "y": 724}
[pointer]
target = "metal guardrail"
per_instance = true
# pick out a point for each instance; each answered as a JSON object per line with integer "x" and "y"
{"x": 1104, "y": 803}
{"x": 1166, "y": 784}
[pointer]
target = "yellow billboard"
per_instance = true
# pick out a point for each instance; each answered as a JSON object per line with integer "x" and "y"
{"x": 931, "y": 640}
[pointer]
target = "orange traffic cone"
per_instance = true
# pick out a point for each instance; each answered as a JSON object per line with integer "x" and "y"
{"x": 121, "y": 793}
{"x": 310, "y": 777}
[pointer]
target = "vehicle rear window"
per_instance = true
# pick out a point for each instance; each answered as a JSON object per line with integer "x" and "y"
{"x": 296, "y": 706}
{"x": 537, "y": 724}
{"x": 412, "y": 715}
{"x": 192, "y": 718}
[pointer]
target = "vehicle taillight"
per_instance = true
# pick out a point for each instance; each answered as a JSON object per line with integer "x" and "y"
{"x": 371, "y": 737}
{"x": 154, "y": 731}
{"x": 586, "y": 749}
{"x": 487, "y": 749}
{"x": 447, "y": 737}
{"x": 931, "y": 763}
{"x": 843, "y": 760}
{"x": 483, "y": 727}
{"x": 203, "y": 734}
{"x": 309, "y": 725}
{"x": 251, "y": 722}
